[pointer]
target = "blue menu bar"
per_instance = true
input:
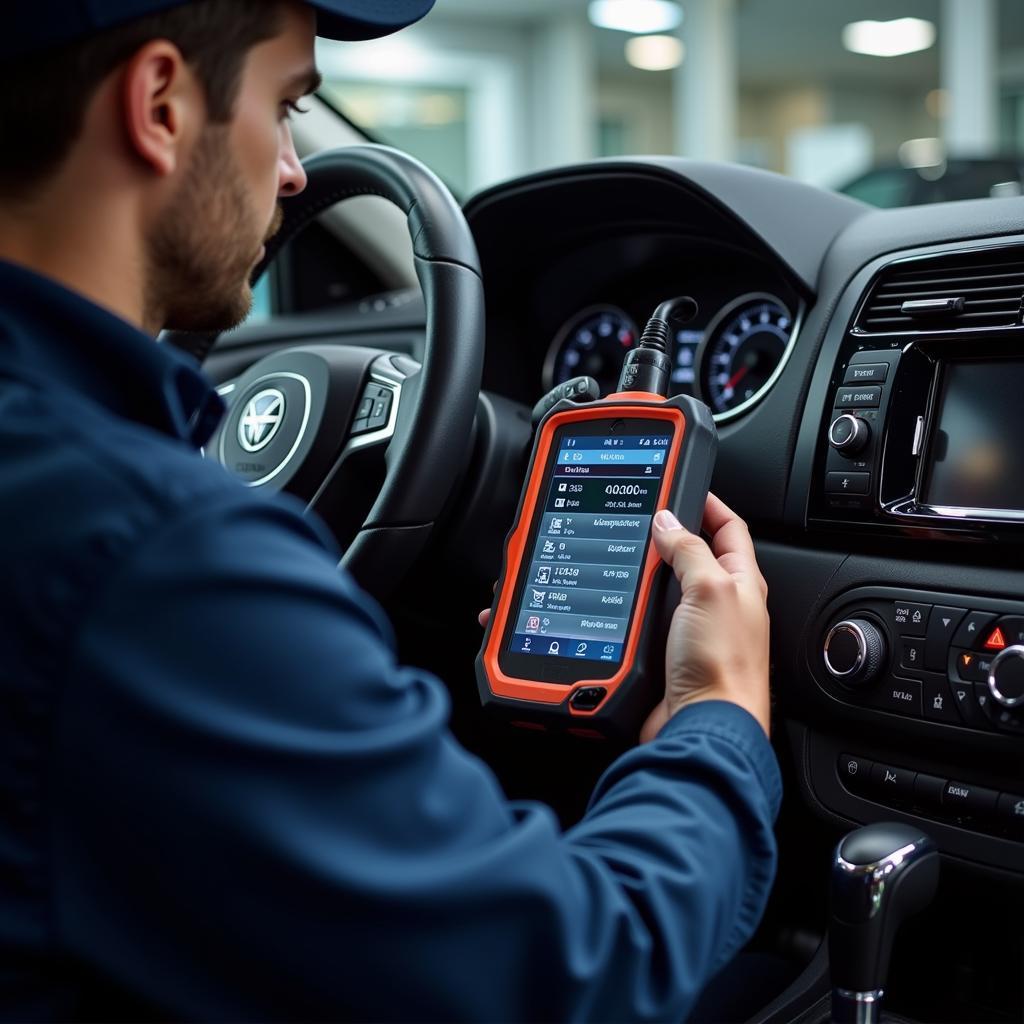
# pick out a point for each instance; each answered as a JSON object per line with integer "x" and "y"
{"x": 566, "y": 647}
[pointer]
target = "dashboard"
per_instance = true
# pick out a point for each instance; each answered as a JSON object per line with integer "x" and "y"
{"x": 865, "y": 369}
{"x": 728, "y": 360}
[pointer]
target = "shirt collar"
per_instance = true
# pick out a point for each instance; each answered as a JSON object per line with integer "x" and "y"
{"x": 61, "y": 338}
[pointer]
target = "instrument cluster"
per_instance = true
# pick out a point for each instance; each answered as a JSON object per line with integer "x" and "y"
{"x": 730, "y": 363}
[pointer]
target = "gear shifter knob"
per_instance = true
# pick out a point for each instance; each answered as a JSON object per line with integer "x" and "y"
{"x": 881, "y": 875}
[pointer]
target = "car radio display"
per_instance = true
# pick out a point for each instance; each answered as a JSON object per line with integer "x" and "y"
{"x": 977, "y": 458}
{"x": 589, "y": 546}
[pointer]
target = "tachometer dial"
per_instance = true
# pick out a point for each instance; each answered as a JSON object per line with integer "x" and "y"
{"x": 593, "y": 342}
{"x": 745, "y": 344}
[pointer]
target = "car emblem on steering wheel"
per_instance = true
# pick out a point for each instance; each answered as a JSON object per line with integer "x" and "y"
{"x": 261, "y": 420}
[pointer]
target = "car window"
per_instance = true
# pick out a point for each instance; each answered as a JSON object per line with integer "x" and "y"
{"x": 843, "y": 97}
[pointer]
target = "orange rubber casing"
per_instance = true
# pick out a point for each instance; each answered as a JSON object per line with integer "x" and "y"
{"x": 693, "y": 443}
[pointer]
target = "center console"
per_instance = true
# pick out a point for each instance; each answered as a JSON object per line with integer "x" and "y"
{"x": 900, "y": 657}
{"x": 921, "y": 421}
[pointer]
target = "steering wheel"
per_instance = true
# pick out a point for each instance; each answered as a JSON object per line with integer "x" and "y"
{"x": 314, "y": 420}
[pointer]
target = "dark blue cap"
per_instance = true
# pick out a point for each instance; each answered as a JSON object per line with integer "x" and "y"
{"x": 45, "y": 24}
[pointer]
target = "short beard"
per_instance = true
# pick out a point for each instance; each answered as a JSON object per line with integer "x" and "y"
{"x": 202, "y": 252}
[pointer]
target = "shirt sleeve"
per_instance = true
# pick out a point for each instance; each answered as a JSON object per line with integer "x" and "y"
{"x": 258, "y": 814}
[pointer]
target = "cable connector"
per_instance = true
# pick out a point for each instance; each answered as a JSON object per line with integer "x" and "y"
{"x": 648, "y": 367}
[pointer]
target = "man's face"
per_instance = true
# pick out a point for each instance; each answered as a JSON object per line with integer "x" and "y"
{"x": 211, "y": 233}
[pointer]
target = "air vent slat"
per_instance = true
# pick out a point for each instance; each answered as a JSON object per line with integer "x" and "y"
{"x": 966, "y": 269}
{"x": 957, "y": 288}
{"x": 991, "y": 286}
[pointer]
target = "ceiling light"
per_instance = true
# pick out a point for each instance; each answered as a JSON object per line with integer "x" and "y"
{"x": 655, "y": 53}
{"x": 637, "y": 16}
{"x": 889, "y": 38}
{"x": 918, "y": 153}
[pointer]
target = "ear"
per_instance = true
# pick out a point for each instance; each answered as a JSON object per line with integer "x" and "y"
{"x": 163, "y": 105}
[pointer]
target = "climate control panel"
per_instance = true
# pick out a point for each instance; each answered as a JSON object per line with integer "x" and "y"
{"x": 946, "y": 658}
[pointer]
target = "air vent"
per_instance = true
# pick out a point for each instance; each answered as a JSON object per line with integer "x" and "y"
{"x": 946, "y": 293}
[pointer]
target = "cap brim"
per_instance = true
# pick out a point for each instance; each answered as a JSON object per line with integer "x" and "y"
{"x": 366, "y": 19}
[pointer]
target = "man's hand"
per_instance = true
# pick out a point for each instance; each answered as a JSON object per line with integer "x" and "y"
{"x": 718, "y": 641}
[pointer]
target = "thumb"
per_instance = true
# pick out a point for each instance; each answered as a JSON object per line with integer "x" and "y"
{"x": 688, "y": 555}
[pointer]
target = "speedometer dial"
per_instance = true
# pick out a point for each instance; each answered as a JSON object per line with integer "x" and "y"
{"x": 745, "y": 345}
{"x": 593, "y": 343}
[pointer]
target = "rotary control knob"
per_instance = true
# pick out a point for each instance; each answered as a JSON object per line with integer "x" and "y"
{"x": 849, "y": 434}
{"x": 854, "y": 651}
{"x": 1006, "y": 677}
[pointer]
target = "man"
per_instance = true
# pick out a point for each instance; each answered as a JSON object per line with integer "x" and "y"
{"x": 220, "y": 796}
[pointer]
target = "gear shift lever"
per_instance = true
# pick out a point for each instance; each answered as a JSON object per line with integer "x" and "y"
{"x": 881, "y": 875}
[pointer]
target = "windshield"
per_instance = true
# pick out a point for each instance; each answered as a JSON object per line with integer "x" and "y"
{"x": 897, "y": 104}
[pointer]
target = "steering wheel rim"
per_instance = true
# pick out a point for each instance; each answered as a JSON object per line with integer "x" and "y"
{"x": 431, "y": 435}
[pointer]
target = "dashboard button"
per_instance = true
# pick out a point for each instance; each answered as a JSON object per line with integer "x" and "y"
{"x": 900, "y": 695}
{"x": 928, "y": 790}
{"x": 941, "y": 627}
{"x": 854, "y": 772}
{"x": 1012, "y": 628}
{"x": 972, "y": 666}
{"x": 937, "y": 703}
{"x": 967, "y": 799}
{"x": 1007, "y": 721}
{"x": 911, "y": 652}
{"x": 911, "y": 618}
{"x": 966, "y": 702}
{"x": 1010, "y": 811}
{"x": 983, "y": 698}
{"x": 893, "y": 782}
{"x": 847, "y": 483}
{"x": 866, "y": 373}
{"x": 972, "y": 629}
{"x": 858, "y": 398}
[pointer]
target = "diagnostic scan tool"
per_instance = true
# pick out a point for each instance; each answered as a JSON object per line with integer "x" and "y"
{"x": 577, "y": 629}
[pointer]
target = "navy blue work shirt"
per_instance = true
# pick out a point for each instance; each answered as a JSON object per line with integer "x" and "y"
{"x": 221, "y": 795}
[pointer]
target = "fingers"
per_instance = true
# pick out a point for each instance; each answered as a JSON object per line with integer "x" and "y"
{"x": 484, "y": 617}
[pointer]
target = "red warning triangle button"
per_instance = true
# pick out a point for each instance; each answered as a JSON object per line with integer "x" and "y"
{"x": 996, "y": 641}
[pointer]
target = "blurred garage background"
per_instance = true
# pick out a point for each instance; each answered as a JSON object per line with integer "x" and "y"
{"x": 895, "y": 101}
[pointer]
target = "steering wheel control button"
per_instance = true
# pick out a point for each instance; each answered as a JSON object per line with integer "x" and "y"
{"x": 854, "y": 772}
{"x": 893, "y": 783}
{"x": 911, "y": 619}
{"x": 847, "y": 483}
{"x": 902, "y": 696}
{"x": 588, "y": 697}
{"x": 858, "y": 398}
{"x": 967, "y": 800}
{"x": 849, "y": 435}
{"x": 1006, "y": 677}
{"x": 942, "y": 626}
{"x": 973, "y": 630}
{"x": 866, "y": 373}
{"x": 374, "y": 409}
{"x": 911, "y": 653}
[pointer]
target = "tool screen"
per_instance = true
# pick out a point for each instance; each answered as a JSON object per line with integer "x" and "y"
{"x": 589, "y": 542}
